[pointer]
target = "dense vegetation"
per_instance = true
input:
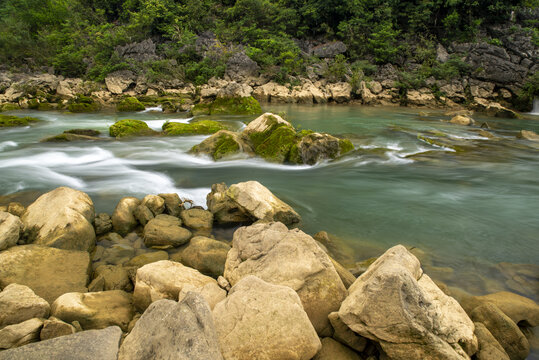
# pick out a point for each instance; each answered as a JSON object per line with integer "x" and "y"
{"x": 80, "y": 38}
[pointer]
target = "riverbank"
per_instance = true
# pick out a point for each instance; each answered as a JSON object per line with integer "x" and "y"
{"x": 101, "y": 270}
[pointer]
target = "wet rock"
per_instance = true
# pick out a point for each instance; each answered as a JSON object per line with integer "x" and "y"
{"x": 16, "y": 208}
{"x": 117, "y": 254}
{"x": 165, "y": 231}
{"x": 102, "y": 224}
{"x": 85, "y": 132}
{"x": 165, "y": 280}
{"x": 114, "y": 278}
{"x": 53, "y": 328}
{"x": 332, "y": 350}
{"x": 198, "y": 220}
{"x": 143, "y": 214}
{"x": 173, "y": 204}
{"x": 264, "y": 319}
{"x": 96, "y": 310}
{"x": 61, "y": 218}
{"x": 19, "y": 303}
{"x": 489, "y": 347}
{"x": 291, "y": 258}
{"x": 69, "y": 137}
{"x": 204, "y": 254}
{"x": 20, "y": 334}
{"x": 147, "y": 258}
{"x": 123, "y": 219}
{"x": 413, "y": 301}
{"x": 173, "y": 330}
{"x": 528, "y": 135}
{"x": 49, "y": 272}
{"x": 223, "y": 144}
{"x": 462, "y": 120}
{"x": 316, "y": 147}
{"x": 344, "y": 335}
{"x": 521, "y": 278}
{"x": 86, "y": 345}
{"x": 10, "y": 230}
{"x": 523, "y": 311}
{"x": 155, "y": 203}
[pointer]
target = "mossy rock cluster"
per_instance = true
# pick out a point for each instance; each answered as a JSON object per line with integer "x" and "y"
{"x": 228, "y": 106}
{"x": 169, "y": 104}
{"x": 275, "y": 143}
{"x": 83, "y": 104}
{"x": 130, "y": 104}
{"x": 222, "y": 144}
{"x": 129, "y": 127}
{"x": 12, "y": 121}
{"x": 203, "y": 127}
{"x": 9, "y": 107}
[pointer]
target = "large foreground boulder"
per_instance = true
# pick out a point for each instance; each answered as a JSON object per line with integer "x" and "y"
{"x": 173, "y": 330}
{"x": 395, "y": 304}
{"x": 291, "y": 258}
{"x": 85, "y": 345}
{"x": 264, "y": 321}
{"x": 49, "y": 272}
{"x": 248, "y": 201}
{"x": 61, "y": 218}
{"x": 19, "y": 303}
{"x": 10, "y": 230}
{"x": 166, "y": 279}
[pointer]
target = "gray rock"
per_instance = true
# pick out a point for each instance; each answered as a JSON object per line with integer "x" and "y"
{"x": 240, "y": 67}
{"x": 315, "y": 147}
{"x": 173, "y": 330}
{"x": 19, "y": 303}
{"x": 20, "y": 334}
{"x": 85, "y": 345}
{"x": 329, "y": 50}
{"x": 10, "y": 230}
{"x": 138, "y": 51}
{"x": 165, "y": 231}
{"x": 494, "y": 64}
{"x": 123, "y": 220}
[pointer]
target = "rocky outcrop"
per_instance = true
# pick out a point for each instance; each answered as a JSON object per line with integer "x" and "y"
{"x": 292, "y": 258}
{"x": 19, "y": 303}
{"x": 165, "y": 231}
{"x": 138, "y": 51}
{"x": 264, "y": 319}
{"x": 173, "y": 330}
{"x": 119, "y": 81}
{"x": 10, "y": 230}
{"x": 61, "y": 218}
{"x": 49, "y": 272}
{"x": 416, "y": 321}
{"x": 329, "y": 50}
{"x": 240, "y": 67}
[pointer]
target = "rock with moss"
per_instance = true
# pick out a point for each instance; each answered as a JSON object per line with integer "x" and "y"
{"x": 69, "y": 137}
{"x": 275, "y": 144}
{"x": 204, "y": 127}
{"x": 265, "y": 122}
{"x": 82, "y": 104}
{"x": 228, "y": 106}
{"x": 9, "y": 107}
{"x": 222, "y": 144}
{"x": 130, "y": 104}
{"x": 130, "y": 127}
{"x": 314, "y": 147}
{"x": 85, "y": 132}
{"x": 12, "y": 120}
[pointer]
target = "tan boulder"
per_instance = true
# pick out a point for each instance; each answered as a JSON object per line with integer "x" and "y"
{"x": 198, "y": 220}
{"x": 119, "y": 82}
{"x": 340, "y": 92}
{"x": 489, "y": 347}
{"x": 19, "y": 303}
{"x": 273, "y": 92}
{"x": 143, "y": 214}
{"x": 173, "y": 204}
{"x": 263, "y": 123}
{"x": 10, "y": 230}
{"x": 204, "y": 254}
{"x": 53, "y": 328}
{"x": 165, "y": 231}
{"x": 395, "y": 304}
{"x": 113, "y": 278}
{"x": 343, "y": 334}
{"x": 155, "y": 203}
{"x": 123, "y": 218}
{"x": 147, "y": 258}
{"x": 462, "y": 120}
{"x": 20, "y": 334}
{"x": 291, "y": 258}
{"x": 528, "y": 135}
{"x": 264, "y": 321}
{"x": 523, "y": 311}
{"x": 61, "y": 218}
{"x": 333, "y": 350}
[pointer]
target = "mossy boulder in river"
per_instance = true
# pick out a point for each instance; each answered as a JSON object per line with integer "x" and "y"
{"x": 314, "y": 147}
{"x": 67, "y": 137}
{"x": 130, "y": 104}
{"x": 9, "y": 107}
{"x": 130, "y": 127}
{"x": 12, "y": 121}
{"x": 228, "y": 106}
{"x": 204, "y": 127}
{"x": 222, "y": 144}
{"x": 82, "y": 104}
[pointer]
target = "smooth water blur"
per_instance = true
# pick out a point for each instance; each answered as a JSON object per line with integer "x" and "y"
{"x": 468, "y": 211}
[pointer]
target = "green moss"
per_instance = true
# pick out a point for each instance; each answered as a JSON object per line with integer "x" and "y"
{"x": 9, "y": 107}
{"x": 276, "y": 147}
{"x": 82, "y": 104}
{"x": 85, "y": 132}
{"x": 130, "y": 104}
{"x": 203, "y": 127}
{"x": 12, "y": 121}
{"x": 226, "y": 145}
{"x": 44, "y": 107}
{"x": 129, "y": 127}
{"x": 303, "y": 133}
{"x": 228, "y": 106}
{"x": 294, "y": 156}
{"x": 345, "y": 146}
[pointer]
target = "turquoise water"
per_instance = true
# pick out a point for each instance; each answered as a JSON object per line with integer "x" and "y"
{"x": 467, "y": 210}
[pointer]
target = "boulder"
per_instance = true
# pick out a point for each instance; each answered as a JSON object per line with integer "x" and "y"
{"x": 204, "y": 254}
{"x": 273, "y": 92}
{"x": 85, "y": 345}
{"x": 15, "y": 208}
{"x": 123, "y": 218}
{"x": 61, "y": 218}
{"x": 19, "y": 303}
{"x": 102, "y": 224}
{"x": 53, "y": 328}
{"x": 49, "y": 272}
{"x": 143, "y": 214}
{"x": 173, "y": 330}
{"x": 290, "y": 258}
{"x": 528, "y": 135}
{"x": 198, "y": 220}
{"x": 20, "y": 334}
{"x": 395, "y": 304}
{"x": 235, "y": 90}
{"x": 117, "y": 254}
{"x": 333, "y": 350}
{"x": 266, "y": 321}
{"x": 489, "y": 347}
{"x": 340, "y": 92}
{"x": 165, "y": 279}
{"x": 240, "y": 67}
{"x": 316, "y": 147}
{"x": 504, "y": 330}
{"x": 96, "y": 310}
{"x": 462, "y": 120}
{"x": 165, "y": 231}
{"x": 173, "y": 204}
{"x": 155, "y": 203}
{"x": 10, "y": 230}
{"x": 523, "y": 311}
{"x": 119, "y": 81}
{"x": 248, "y": 201}
{"x": 147, "y": 258}
{"x": 264, "y": 122}
{"x": 344, "y": 335}
{"x": 69, "y": 137}
{"x": 223, "y": 144}
{"x": 114, "y": 277}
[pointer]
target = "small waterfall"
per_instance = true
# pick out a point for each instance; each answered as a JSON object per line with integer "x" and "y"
{"x": 535, "y": 110}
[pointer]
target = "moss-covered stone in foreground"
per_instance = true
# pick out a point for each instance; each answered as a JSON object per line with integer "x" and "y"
{"x": 12, "y": 121}
{"x": 204, "y": 127}
{"x": 130, "y": 127}
{"x": 226, "y": 145}
{"x": 130, "y": 104}
{"x": 229, "y": 106}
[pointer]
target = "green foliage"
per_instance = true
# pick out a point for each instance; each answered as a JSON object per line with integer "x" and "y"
{"x": 203, "y": 127}
{"x": 337, "y": 70}
{"x": 130, "y": 104}
{"x": 12, "y": 121}
{"x": 529, "y": 91}
{"x": 228, "y": 106}
{"x": 129, "y": 127}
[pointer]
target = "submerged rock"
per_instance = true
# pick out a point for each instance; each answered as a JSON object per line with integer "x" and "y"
{"x": 528, "y": 135}
{"x": 69, "y": 137}
{"x": 12, "y": 120}
{"x": 523, "y": 311}
{"x": 202, "y": 127}
{"x": 222, "y": 144}
{"x": 10, "y": 230}
{"x": 53, "y": 328}
{"x": 489, "y": 347}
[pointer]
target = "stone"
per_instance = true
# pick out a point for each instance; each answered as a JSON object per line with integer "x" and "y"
{"x": 143, "y": 214}
{"x": 344, "y": 335}
{"x": 85, "y": 345}
{"x": 340, "y": 92}
{"x": 173, "y": 204}
{"x": 102, "y": 224}
{"x": 165, "y": 279}
{"x": 521, "y": 278}
{"x": 224, "y": 144}
{"x": 504, "y": 330}
{"x": 316, "y": 147}
{"x": 117, "y": 82}
{"x": 264, "y": 122}
{"x": 165, "y": 231}
{"x": 523, "y": 311}
{"x": 441, "y": 54}
{"x": 273, "y": 92}
{"x": 462, "y": 120}
{"x": 198, "y": 220}
{"x": 142, "y": 51}
{"x": 20, "y": 334}
{"x": 19, "y": 303}
{"x": 240, "y": 67}
{"x": 264, "y": 319}
{"x": 489, "y": 347}
{"x": 345, "y": 275}
{"x": 117, "y": 254}
{"x": 290, "y": 258}
{"x": 49, "y": 272}
{"x": 15, "y": 208}
{"x": 173, "y": 330}
{"x": 248, "y": 201}
{"x": 64, "y": 90}
{"x": 96, "y": 310}
{"x": 333, "y": 350}
{"x": 528, "y": 135}
{"x": 10, "y": 230}
{"x": 155, "y": 203}
{"x": 395, "y": 304}
{"x": 61, "y": 218}
{"x": 147, "y": 258}
{"x": 114, "y": 277}
{"x": 53, "y": 328}
{"x": 204, "y": 254}
{"x": 123, "y": 218}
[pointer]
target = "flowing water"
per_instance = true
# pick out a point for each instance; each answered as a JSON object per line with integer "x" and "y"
{"x": 464, "y": 212}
